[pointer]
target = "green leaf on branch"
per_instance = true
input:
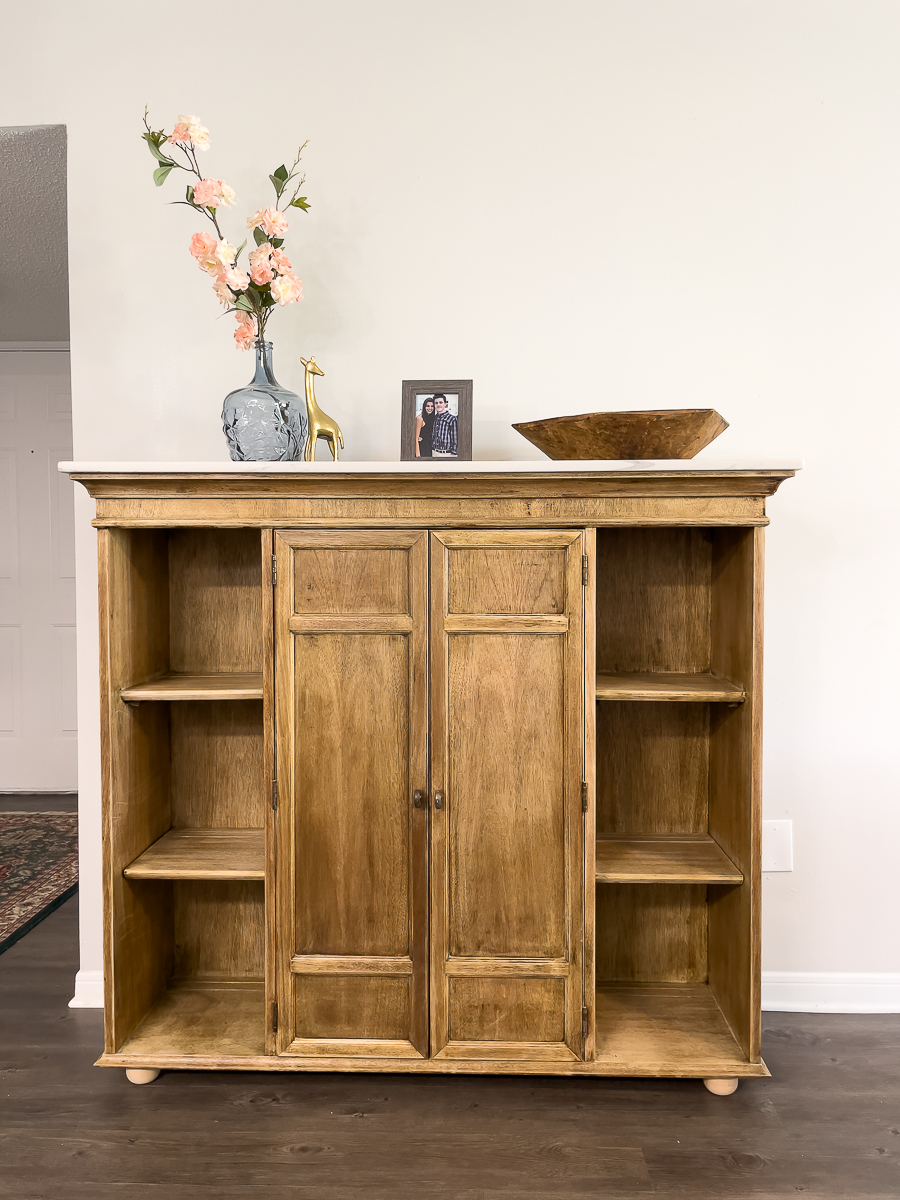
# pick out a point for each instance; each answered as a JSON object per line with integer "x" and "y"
{"x": 300, "y": 202}
{"x": 161, "y": 174}
{"x": 237, "y": 253}
{"x": 153, "y": 141}
{"x": 189, "y": 195}
{"x": 281, "y": 174}
{"x": 258, "y": 236}
{"x": 278, "y": 186}
{"x": 268, "y": 302}
{"x": 242, "y": 304}
{"x": 276, "y": 243}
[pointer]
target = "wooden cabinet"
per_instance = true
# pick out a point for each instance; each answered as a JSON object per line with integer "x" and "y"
{"x": 437, "y": 771}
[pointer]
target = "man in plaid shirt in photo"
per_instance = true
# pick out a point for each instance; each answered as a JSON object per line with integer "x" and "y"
{"x": 443, "y": 432}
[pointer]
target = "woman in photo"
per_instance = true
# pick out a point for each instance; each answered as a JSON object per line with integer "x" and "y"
{"x": 424, "y": 425}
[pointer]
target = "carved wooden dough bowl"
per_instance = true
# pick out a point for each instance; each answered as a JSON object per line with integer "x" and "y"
{"x": 653, "y": 433}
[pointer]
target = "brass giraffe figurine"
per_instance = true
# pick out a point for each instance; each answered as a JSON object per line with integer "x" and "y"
{"x": 320, "y": 424}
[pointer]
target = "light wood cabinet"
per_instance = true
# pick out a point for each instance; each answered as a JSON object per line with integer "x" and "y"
{"x": 433, "y": 771}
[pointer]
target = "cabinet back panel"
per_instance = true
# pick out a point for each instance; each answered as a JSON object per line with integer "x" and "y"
{"x": 651, "y": 933}
{"x": 351, "y": 794}
{"x": 351, "y": 1006}
{"x": 507, "y": 1010}
{"x": 219, "y": 929}
{"x": 506, "y": 580}
{"x": 215, "y": 600}
{"x": 507, "y": 877}
{"x": 218, "y": 777}
{"x": 653, "y": 600}
{"x": 652, "y": 767}
{"x": 342, "y": 581}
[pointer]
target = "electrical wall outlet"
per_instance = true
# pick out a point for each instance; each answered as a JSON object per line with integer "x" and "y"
{"x": 778, "y": 846}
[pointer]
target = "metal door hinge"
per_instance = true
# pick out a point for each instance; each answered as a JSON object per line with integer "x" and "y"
{"x": 584, "y": 1024}
{"x": 274, "y": 1016}
{"x": 585, "y": 570}
{"x": 274, "y": 570}
{"x": 584, "y": 795}
{"x": 274, "y": 795}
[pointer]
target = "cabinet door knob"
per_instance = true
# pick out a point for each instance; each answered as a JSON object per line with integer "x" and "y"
{"x": 418, "y": 799}
{"x": 438, "y": 799}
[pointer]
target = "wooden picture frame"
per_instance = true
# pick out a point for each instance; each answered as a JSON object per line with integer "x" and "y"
{"x": 413, "y": 391}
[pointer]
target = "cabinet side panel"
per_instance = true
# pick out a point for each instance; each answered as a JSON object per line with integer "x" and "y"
{"x": 134, "y": 647}
{"x": 590, "y": 779}
{"x": 735, "y": 801}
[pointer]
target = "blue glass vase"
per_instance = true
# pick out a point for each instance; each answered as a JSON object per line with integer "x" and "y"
{"x": 264, "y": 422}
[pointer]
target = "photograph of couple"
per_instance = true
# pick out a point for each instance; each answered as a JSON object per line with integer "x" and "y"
{"x": 437, "y": 419}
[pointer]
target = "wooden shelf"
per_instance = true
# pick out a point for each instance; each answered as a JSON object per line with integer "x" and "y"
{"x": 701, "y": 687}
{"x": 663, "y": 858}
{"x": 209, "y": 1019}
{"x": 220, "y": 686}
{"x": 203, "y": 854}
{"x": 665, "y": 1026}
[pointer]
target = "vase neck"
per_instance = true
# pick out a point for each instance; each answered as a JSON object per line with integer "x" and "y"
{"x": 264, "y": 373}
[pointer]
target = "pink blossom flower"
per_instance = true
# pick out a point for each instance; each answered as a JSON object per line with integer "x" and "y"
{"x": 281, "y": 262}
{"x": 210, "y": 193}
{"x": 236, "y": 279}
{"x": 260, "y": 254}
{"x": 287, "y": 289}
{"x": 245, "y": 333}
{"x": 224, "y": 253}
{"x": 179, "y": 133}
{"x": 275, "y": 223}
{"x": 202, "y": 245}
{"x": 223, "y": 291}
{"x": 262, "y": 273}
{"x": 206, "y": 193}
{"x": 190, "y": 130}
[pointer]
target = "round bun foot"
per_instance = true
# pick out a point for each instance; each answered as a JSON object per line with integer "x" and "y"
{"x": 141, "y": 1074}
{"x": 720, "y": 1087}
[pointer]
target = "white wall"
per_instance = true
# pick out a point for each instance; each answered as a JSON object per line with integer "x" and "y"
{"x": 594, "y": 204}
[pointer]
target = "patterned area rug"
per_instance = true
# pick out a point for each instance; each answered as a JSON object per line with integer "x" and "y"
{"x": 38, "y": 868}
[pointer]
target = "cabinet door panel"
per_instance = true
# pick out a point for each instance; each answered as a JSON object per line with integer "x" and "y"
{"x": 352, "y": 742}
{"x": 505, "y": 693}
{"x": 507, "y": 758}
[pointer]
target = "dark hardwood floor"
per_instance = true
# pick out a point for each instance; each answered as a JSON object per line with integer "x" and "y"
{"x": 38, "y": 802}
{"x": 827, "y": 1124}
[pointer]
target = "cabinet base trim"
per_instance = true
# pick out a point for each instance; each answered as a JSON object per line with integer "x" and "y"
{"x": 432, "y": 1066}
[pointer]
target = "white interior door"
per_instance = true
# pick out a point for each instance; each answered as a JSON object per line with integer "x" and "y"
{"x": 37, "y": 575}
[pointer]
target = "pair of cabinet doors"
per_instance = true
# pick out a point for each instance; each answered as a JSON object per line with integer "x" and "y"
{"x": 430, "y": 724}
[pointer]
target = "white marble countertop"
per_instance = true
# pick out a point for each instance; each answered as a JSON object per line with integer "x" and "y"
{"x": 699, "y": 465}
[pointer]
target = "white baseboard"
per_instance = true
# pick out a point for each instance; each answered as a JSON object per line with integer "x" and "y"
{"x": 831, "y": 991}
{"x": 88, "y": 990}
